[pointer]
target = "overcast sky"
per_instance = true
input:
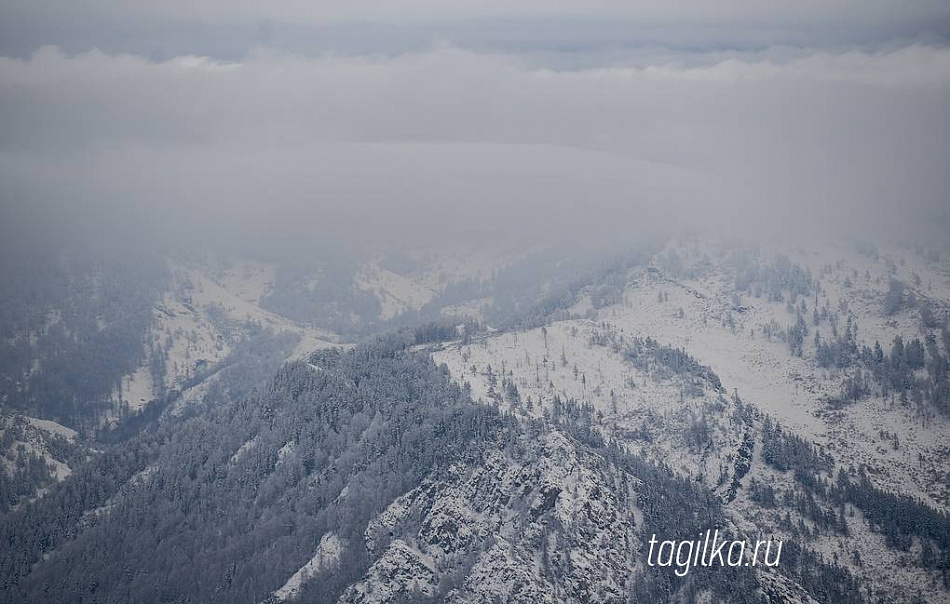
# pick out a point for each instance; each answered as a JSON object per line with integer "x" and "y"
{"x": 402, "y": 121}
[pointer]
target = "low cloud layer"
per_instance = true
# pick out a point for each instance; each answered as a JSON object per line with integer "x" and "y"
{"x": 772, "y": 13}
{"x": 451, "y": 144}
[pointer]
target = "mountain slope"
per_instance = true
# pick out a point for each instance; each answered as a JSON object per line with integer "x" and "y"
{"x": 732, "y": 416}
{"x": 375, "y": 475}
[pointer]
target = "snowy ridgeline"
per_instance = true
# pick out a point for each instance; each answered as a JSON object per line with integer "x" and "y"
{"x": 663, "y": 398}
{"x": 412, "y": 491}
{"x": 673, "y": 411}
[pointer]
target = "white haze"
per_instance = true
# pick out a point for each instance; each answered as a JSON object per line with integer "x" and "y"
{"x": 452, "y": 144}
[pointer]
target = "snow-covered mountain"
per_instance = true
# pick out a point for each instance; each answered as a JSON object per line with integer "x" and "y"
{"x": 527, "y": 451}
{"x": 667, "y": 365}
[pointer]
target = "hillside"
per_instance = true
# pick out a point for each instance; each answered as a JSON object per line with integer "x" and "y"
{"x": 525, "y": 452}
{"x": 693, "y": 366}
{"x": 369, "y": 476}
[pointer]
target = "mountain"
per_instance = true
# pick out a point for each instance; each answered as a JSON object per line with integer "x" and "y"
{"x": 379, "y": 477}
{"x": 517, "y": 433}
{"x": 784, "y": 411}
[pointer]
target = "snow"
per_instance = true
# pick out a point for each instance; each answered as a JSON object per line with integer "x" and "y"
{"x": 396, "y": 293}
{"x": 693, "y": 313}
{"x": 402, "y": 570}
{"x": 136, "y": 389}
{"x": 242, "y": 450}
{"x": 193, "y": 395}
{"x": 326, "y": 558}
{"x": 791, "y": 389}
{"x": 284, "y": 451}
{"x": 185, "y": 326}
{"x": 53, "y": 427}
{"x": 492, "y": 516}
{"x": 248, "y": 280}
{"x": 427, "y": 275}
{"x": 35, "y": 440}
{"x": 444, "y": 266}
{"x": 474, "y": 309}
